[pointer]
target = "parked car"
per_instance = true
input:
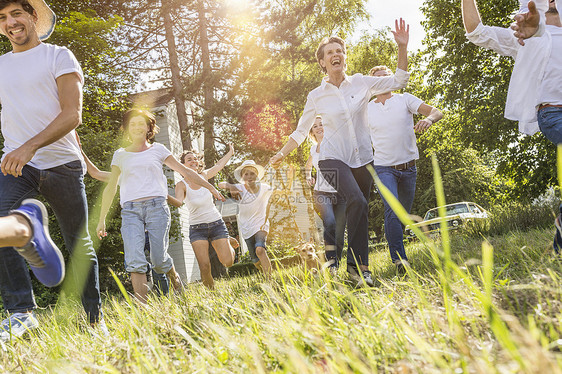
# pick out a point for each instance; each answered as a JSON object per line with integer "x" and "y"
{"x": 456, "y": 215}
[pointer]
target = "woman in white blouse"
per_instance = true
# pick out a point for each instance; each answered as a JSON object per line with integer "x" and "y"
{"x": 341, "y": 101}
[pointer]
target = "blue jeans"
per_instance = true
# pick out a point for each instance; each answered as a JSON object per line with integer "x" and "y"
{"x": 63, "y": 188}
{"x": 160, "y": 281}
{"x": 354, "y": 184}
{"x": 331, "y": 208}
{"x": 402, "y": 184}
{"x": 152, "y": 215}
{"x": 550, "y": 123}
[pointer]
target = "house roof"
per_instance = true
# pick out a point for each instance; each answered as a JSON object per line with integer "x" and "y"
{"x": 152, "y": 99}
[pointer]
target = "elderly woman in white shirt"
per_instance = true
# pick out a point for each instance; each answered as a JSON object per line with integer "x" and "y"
{"x": 346, "y": 151}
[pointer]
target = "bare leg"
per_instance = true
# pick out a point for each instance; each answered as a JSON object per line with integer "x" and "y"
{"x": 201, "y": 249}
{"x": 174, "y": 278}
{"x": 225, "y": 252}
{"x": 14, "y": 231}
{"x": 140, "y": 286}
{"x": 264, "y": 260}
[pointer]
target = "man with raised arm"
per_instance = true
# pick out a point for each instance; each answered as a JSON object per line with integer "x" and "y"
{"x": 534, "y": 97}
{"x": 41, "y": 98}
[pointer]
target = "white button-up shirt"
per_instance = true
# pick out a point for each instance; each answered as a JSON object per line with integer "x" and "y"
{"x": 528, "y": 71}
{"x": 344, "y": 116}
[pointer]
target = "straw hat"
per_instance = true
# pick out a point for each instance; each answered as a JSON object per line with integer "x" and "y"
{"x": 46, "y": 18}
{"x": 245, "y": 164}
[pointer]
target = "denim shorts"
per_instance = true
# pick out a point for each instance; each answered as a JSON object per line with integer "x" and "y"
{"x": 254, "y": 241}
{"x": 208, "y": 231}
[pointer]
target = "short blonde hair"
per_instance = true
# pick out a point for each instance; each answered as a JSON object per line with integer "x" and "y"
{"x": 380, "y": 68}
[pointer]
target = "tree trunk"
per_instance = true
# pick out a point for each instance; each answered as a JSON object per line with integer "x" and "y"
{"x": 208, "y": 122}
{"x": 176, "y": 77}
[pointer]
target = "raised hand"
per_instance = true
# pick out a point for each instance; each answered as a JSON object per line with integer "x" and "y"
{"x": 526, "y": 24}
{"x": 402, "y": 32}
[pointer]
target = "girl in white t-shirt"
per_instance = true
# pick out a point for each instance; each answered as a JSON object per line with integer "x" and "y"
{"x": 206, "y": 223}
{"x": 393, "y": 136}
{"x": 143, "y": 190}
{"x": 252, "y": 216}
{"x": 329, "y": 205}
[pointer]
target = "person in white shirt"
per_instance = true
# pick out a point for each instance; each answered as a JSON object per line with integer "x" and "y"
{"x": 143, "y": 192}
{"x": 252, "y": 216}
{"x": 346, "y": 150}
{"x": 394, "y": 140}
{"x": 534, "y": 96}
{"x": 205, "y": 221}
{"x": 41, "y": 99}
{"x": 329, "y": 205}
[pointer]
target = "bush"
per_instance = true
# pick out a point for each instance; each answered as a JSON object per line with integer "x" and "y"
{"x": 514, "y": 216}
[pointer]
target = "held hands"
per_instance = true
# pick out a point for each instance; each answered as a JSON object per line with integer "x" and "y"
{"x": 311, "y": 181}
{"x": 402, "y": 33}
{"x": 423, "y": 125}
{"x": 100, "y": 230}
{"x": 276, "y": 160}
{"x": 14, "y": 161}
{"x": 526, "y": 24}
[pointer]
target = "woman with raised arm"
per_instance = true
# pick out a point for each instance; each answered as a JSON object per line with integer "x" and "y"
{"x": 206, "y": 223}
{"x": 345, "y": 153}
{"x": 143, "y": 190}
{"x": 329, "y": 205}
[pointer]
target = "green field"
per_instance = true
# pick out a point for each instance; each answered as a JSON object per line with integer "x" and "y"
{"x": 465, "y": 315}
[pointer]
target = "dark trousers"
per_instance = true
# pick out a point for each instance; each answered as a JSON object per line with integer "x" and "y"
{"x": 63, "y": 188}
{"x": 354, "y": 184}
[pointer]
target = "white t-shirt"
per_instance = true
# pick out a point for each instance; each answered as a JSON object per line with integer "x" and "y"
{"x": 30, "y": 101}
{"x": 321, "y": 184}
{"x": 392, "y": 129}
{"x": 141, "y": 172}
{"x": 550, "y": 91}
{"x": 251, "y": 215}
{"x": 201, "y": 205}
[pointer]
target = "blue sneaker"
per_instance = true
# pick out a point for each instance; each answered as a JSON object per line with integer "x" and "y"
{"x": 43, "y": 256}
{"x": 16, "y": 325}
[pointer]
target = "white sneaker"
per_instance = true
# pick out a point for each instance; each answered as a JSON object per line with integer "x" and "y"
{"x": 16, "y": 325}
{"x": 100, "y": 329}
{"x": 365, "y": 278}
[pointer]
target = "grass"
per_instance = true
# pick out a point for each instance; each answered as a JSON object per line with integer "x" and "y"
{"x": 297, "y": 322}
{"x": 468, "y": 304}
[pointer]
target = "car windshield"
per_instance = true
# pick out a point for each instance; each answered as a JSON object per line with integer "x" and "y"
{"x": 451, "y": 210}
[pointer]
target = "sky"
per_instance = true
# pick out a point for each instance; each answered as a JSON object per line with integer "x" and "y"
{"x": 384, "y": 12}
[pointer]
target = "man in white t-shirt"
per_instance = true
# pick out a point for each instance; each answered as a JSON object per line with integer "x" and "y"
{"x": 41, "y": 98}
{"x": 391, "y": 124}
